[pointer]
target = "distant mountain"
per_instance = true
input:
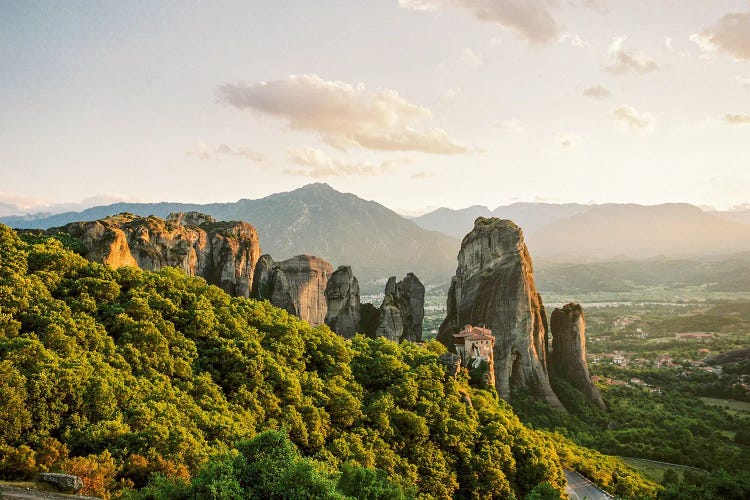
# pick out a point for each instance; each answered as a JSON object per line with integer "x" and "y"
{"x": 605, "y": 232}
{"x": 742, "y": 216}
{"x": 583, "y": 233}
{"x": 529, "y": 216}
{"x": 315, "y": 219}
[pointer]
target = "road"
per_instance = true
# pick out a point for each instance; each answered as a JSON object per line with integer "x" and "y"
{"x": 580, "y": 488}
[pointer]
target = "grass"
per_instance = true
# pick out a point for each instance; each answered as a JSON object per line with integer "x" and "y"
{"x": 731, "y": 404}
{"x": 653, "y": 470}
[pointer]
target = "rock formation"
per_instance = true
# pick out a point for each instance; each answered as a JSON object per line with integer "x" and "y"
{"x": 224, "y": 253}
{"x": 297, "y": 285}
{"x": 494, "y": 287}
{"x": 63, "y": 482}
{"x": 410, "y": 293}
{"x": 342, "y": 300}
{"x": 568, "y": 357}
{"x": 402, "y": 310}
{"x": 369, "y": 318}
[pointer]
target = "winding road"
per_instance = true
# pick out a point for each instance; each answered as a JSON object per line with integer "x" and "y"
{"x": 580, "y": 488}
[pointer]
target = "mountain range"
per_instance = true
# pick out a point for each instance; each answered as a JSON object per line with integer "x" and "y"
{"x": 679, "y": 242}
{"x": 315, "y": 219}
{"x": 578, "y": 233}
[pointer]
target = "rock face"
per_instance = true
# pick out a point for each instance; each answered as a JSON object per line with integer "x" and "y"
{"x": 568, "y": 357}
{"x": 297, "y": 285}
{"x": 342, "y": 300}
{"x": 63, "y": 482}
{"x": 494, "y": 287}
{"x": 402, "y": 310}
{"x": 452, "y": 363}
{"x": 369, "y": 318}
{"x": 224, "y": 253}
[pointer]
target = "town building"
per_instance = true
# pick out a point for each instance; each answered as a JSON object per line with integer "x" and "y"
{"x": 474, "y": 342}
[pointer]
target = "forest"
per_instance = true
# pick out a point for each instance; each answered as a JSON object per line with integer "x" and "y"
{"x": 157, "y": 385}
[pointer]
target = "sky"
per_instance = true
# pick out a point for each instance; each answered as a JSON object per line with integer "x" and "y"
{"x": 416, "y": 104}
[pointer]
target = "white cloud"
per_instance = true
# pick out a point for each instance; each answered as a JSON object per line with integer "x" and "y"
{"x": 568, "y": 141}
{"x": 532, "y": 20}
{"x": 597, "y": 92}
{"x": 703, "y": 42}
{"x": 316, "y": 164}
{"x": 472, "y": 58}
{"x": 737, "y": 118}
{"x": 12, "y": 204}
{"x": 573, "y": 40}
{"x": 634, "y": 120}
{"x": 744, "y": 81}
{"x": 344, "y": 115}
{"x": 513, "y": 126}
{"x": 730, "y": 34}
{"x": 422, "y": 175}
{"x": 627, "y": 60}
{"x": 203, "y": 151}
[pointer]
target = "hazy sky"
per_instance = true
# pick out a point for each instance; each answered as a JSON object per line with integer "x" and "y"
{"x": 416, "y": 104}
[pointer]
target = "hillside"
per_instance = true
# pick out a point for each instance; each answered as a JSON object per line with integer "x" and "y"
{"x": 115, "y": 374}
{"x": 314, "y": 219}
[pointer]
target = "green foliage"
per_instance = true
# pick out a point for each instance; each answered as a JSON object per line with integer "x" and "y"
{"x": 141, "y": 376}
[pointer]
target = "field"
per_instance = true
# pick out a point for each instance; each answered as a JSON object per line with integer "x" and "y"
{"x": 655, "y": 470}
{"x": 731, "y": 405}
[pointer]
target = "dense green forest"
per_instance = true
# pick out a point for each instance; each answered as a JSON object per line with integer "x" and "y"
{"x": 159, "y": 383}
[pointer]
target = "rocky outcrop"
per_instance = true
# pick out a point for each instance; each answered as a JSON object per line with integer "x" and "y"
{"x": 63, "y": 482}
{"x": 568, "y": 357}
{"x": 297, "y": 285}
{"x": 494, "y": 287}
{"x": 402, "y": 310}
{"x": 410, "y": 294}
{"x": 369, "y": 318}
{"x": 342, "y": 301}
{"x": 452, "y": 363}
{"x": 224, "y": 253}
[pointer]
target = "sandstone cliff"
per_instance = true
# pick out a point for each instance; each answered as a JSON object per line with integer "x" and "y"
{"x": 494, "y": 287}
{"x": 224, "y": 253}
{"x": 402, "y": 311}
{"x": 297, "y": 285}
{"x": 342, "y": 300}
{"x": 568, "y": 357}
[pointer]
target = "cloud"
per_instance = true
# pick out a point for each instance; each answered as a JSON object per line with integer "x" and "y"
{"x": 422, "y": 175}
{"x": 597, "y": 92}
{"x": 568, "y": 141}
{"x": 730, "y": 35}
{"x": 634, "y": 120}
{"x": 343, "y": 115}
{"x": 12, "y": 204}
{"x": 628, "y": 61}
{"x": 531, "y": 20}
{"x": 316, "y": 164}
{"x": 737, "y": 118}
{"x": 573, "y": 40}
{"x": 203, "y": 151}
{"x": 744, "y": 81}
{"x": 472, "y": 58}
{"x": 513, "y": 126}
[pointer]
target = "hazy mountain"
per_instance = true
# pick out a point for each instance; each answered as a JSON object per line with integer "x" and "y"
{"x": 605, "y": 232}
{"x": 742, "y": 216}
{"x": 317, "y": 220}
{"x": 529, "y": 216}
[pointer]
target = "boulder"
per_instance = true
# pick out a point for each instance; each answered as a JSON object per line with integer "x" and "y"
{"x": 568, "y": 357}
{"x": 342, "y": 301}
{"x": 63, "y": 482}
{"x": 494, "y": 286}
